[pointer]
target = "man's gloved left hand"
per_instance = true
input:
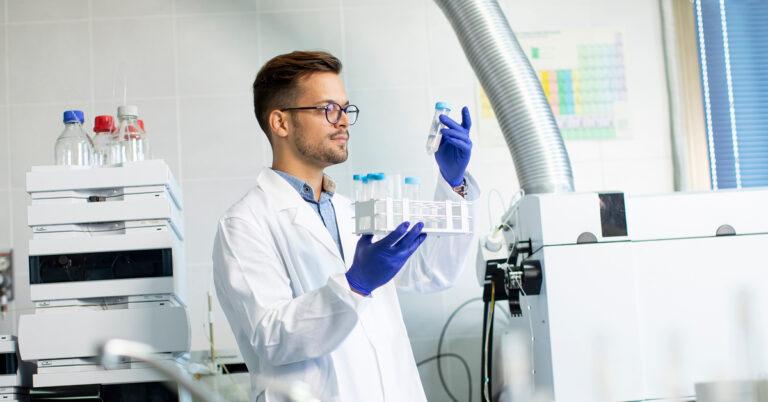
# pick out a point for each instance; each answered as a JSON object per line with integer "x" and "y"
{"x": 455, "y": 148}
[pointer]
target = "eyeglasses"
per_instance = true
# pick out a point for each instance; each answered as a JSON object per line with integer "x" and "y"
{"x": 332, "y": 111}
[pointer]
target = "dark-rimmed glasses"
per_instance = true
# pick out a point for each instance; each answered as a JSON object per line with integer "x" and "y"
{"x": 332, "y": 111}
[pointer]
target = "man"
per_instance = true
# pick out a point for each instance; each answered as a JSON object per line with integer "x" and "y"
{"x": 304, "y": 301}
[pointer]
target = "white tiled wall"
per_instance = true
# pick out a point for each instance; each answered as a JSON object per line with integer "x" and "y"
{"x": 189, "y": 65}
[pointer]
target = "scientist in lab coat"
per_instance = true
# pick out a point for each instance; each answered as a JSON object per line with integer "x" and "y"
{"x": 306, "y": 299}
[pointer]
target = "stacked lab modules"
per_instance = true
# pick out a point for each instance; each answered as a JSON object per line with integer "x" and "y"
{"x": 15, "y": 375}
{"x": 105, "y": 262}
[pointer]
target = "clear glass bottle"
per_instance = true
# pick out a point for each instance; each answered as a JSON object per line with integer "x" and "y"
{"x": 434, "y": 137}
{"x": 74, "y": 147}
{"x": 134, "y": 145}
{"x": 106, "y": 151}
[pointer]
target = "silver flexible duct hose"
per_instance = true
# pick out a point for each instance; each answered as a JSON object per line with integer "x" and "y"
{"x": 532, "y": 135}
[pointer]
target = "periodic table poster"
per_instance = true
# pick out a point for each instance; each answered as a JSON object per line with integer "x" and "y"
{"x": 583, "y": 77}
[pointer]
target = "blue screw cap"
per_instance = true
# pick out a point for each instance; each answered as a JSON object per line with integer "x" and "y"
{"x": 412, "y": 180}
{"x": 442, "y": 106}
{"x": 74, "y": 116}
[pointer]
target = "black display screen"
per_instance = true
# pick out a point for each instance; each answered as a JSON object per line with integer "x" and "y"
{"x": 100, "y": 266}
{"x": 613, "y": 214}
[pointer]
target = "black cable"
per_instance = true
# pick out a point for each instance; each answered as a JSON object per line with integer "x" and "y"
{"x": 463, "y": 362}
{"x": 440, "y": 345}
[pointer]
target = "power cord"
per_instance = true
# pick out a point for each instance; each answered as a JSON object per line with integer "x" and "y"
{"x": 463, "y": 362}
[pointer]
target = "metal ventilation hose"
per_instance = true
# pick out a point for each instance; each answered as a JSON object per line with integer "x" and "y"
{"x": 532, "y": 135}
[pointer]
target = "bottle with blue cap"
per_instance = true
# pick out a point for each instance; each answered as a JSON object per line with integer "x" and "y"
{"x": 433, "y": 140}
{"x": 74, "y": 147}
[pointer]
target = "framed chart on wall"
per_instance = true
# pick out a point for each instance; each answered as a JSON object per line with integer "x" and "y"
{"x": 582, "y": 74}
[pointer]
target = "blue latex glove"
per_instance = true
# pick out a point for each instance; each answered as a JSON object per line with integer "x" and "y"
{"x": 377, "y": 263}
{"x": 455, "y": 148}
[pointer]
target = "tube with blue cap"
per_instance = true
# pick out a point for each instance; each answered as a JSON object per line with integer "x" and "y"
{"x": 433, "y": 140}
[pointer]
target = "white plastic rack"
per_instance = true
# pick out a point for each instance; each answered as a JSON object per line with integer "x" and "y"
{"x": 381, "y": 216}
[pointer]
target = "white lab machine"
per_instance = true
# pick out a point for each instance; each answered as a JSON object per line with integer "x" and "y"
{"x": 106, "y": 261}
{"x": 642, "y": 296}
{"x": 15, "y": 376}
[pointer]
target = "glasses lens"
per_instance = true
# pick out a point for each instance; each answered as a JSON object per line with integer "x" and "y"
{"x": 352, "y": 112}
{"x": 333, "y": 113}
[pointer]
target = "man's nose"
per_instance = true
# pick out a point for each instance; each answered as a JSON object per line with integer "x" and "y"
{"x": 343, "y": 121}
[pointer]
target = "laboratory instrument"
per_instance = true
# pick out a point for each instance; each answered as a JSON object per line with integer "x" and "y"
{"x": 106, "y": 260}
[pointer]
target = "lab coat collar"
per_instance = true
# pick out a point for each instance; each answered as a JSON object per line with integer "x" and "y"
{"x": 283, "y": 197}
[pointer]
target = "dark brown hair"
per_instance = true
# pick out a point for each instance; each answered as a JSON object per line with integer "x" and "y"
{"x": 276, "y": 83}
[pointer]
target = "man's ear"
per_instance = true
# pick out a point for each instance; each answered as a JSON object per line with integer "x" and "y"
{"x": 278, "y": 123}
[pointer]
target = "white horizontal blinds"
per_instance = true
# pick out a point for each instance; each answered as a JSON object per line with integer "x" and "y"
{"x": 733, "y": 51}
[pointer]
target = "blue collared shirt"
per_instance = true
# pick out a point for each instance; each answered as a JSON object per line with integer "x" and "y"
{"x": 324, "y": 207}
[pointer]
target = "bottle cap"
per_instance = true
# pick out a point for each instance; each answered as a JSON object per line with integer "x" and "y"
{"x": 74, "y": 116}
{"x": 442, "y": 106}
{"x": 127, "y": 110}
{"x": 103, "y": 124}
{"x": 412, "y": 180}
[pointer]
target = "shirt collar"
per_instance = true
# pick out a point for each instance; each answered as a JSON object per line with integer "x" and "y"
{"x": 305, "y": 190}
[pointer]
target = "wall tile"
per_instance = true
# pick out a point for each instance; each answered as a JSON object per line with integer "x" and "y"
{"x": 134, "y": 55}
{"x": 46, "y": 10}
{"x": 220, "y": 138}
{"x": 218, "y": 54}
{"x": 638, "y": 176}
{"x": 423, "y": 314}
{"x": 205, "y": 201}
{"x": 159, "y": 117}
{"x": 369, "y": 3}
{"x": 588, "y": 176}
{"x": 584, "y": 150}
{"x": 391, "y": 132}
{"x": 292, "y": 5}
{"x": 448, "y": 65}
{"x": 219, "y": 6}
{"x": 33, "y": 144}
{"x": 5, "y": 220}
{"x": 135, "y": 8}
{"x": 300, "y": 30}
{"x": 200, "y": 282}
{"x": 385, "y": 46}
{"x": 5, "y": 151}
{"x": 49, "y": 62}
{"x": 3, "y": 54}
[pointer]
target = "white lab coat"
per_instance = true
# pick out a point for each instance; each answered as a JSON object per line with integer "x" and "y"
{"x": 280, "y": 280}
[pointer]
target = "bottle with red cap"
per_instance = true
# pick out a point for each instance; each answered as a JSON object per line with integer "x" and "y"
{"x": 132, "y": 138}
{"x": 106, "y": 151}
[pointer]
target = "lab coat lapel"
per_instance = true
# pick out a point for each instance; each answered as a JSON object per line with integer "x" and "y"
{"x": 344, "y": 218}
{"x": 285, "y": 197}
{"x": 308, "y": 219}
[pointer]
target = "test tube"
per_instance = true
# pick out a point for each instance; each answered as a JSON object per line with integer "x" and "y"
{"x": 366, "y": 193}
{"x": 434, "y": 136}
{"x": 411, "y": 188}
{"x": 357, "y": 187}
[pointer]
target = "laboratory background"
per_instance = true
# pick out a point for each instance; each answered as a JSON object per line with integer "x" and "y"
{"x": 625, "y": 82}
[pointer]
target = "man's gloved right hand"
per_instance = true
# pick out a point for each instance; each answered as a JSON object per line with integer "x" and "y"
{"x": 376, "y": 263}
